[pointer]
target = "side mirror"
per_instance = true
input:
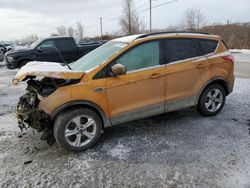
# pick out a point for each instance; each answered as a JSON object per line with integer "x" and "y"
{"x": 118, "y": 69}
{"x": 39, "y": 49}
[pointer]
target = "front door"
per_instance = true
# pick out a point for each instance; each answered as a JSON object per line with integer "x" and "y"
{"x": 141, "y": 92}
{"x": 46, "y": 51}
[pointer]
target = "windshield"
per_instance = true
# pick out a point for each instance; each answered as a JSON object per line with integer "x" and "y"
{"x": 34, "y": 44}
{"x": 97, "y": 56}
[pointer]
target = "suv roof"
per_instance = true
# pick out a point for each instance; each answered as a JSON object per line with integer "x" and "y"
{"x": 131, "y": 38}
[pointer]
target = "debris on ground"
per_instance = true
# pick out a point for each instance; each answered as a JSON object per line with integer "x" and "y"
{"x": 27, "y": 162}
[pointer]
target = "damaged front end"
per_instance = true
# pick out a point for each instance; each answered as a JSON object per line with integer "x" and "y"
{"x": 28, "y": 112}
{"x": 54, "y": 75}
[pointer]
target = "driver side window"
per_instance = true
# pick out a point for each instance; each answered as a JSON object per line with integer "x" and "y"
{"x": 47, "y": 45}
{"x": 142, "y": 56}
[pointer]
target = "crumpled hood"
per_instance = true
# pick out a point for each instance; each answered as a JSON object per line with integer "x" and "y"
{"x": 46, "y": 69}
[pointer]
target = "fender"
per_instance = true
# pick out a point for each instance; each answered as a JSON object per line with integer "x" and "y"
{"x": 215, "y": 79}
{"x": 105, "y": 119}
{"x": 25, "y": 59}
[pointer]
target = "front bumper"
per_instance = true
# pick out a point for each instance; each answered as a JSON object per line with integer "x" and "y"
{"x": 10, "y": 65}
{"x": 29, "y": 114}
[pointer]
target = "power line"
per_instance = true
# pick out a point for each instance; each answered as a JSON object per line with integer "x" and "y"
{"x": 142, "y": 5}
{"x": 164, "y": 4}
{"x": 147, "y": 9}
{"x": 152, "y": 7}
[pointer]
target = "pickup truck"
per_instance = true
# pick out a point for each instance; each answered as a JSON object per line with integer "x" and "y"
{"x": 54, "y": 49}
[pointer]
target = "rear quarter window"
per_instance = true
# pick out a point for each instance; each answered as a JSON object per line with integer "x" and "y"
{"x": 208, "y": 46}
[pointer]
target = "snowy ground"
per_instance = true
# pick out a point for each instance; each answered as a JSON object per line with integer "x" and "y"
{"x": 179, "y": 149}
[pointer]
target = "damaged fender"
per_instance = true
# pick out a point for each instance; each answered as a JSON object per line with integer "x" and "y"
{"x": 54, "y": 75}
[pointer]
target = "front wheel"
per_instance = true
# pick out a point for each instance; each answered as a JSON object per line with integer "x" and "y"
{"x": 212, "y": 100}
{"x": 22, "y": 63}
{"x": 77, "y": 130}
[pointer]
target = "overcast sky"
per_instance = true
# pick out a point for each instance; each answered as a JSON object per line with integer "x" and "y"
{"x": 19, "y": 18}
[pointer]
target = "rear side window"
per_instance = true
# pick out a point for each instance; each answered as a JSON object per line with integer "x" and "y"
{"x": 180, "y": 49}
{"x": 66, "y": 44}
{"x": 208, "y": 46}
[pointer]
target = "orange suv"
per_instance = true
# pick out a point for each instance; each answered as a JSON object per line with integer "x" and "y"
{"x": 125, "y": 79}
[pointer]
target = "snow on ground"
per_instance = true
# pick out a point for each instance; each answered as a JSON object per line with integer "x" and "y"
{"x": 179, "y": 149}
{"x": 241, "y": 57}
{"x": 246, "y": 51}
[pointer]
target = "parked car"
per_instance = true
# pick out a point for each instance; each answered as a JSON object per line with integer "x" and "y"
{"x": 55, "y": 49}
{"x": 124, "y": 80}
{"x": 8, "y": 47}
{"x": 3, "y": 50}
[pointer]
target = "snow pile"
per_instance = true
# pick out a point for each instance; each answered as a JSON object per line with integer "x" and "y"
{"x": 240, "y": 51}
{"x": 119, "y": 151}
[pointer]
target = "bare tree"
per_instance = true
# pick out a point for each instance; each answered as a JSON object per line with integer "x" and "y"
{"x": 236, "y": 35}
{"x": 201, "y": 20}
{"x": 29, "y": 39}
{"x": 61, "y": 30}
{"x": 130, "y": 22}
{"x": 79, "y": 30}
{"x": 193, "y": 19}
{"x": 54, "y": 34}
{"x": 70, "y": 31}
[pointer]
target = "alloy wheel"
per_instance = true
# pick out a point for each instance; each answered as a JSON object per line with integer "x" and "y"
{"x": 80, "y": 131}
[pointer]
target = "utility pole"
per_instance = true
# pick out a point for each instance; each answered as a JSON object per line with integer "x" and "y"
{"x": 101, "y": 26}
{"x": 150, "y": 16}
{"x": 129, "y": 18}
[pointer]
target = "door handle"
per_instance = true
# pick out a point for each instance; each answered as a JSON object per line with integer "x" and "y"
{"x": 155, "y": 75}
{"x": 200, "y": 65}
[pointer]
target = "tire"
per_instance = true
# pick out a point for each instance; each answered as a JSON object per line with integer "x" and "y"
{"x": 22, "y": 63}
{"x": 73, "y": 121}
{"x": 212, "y": 100}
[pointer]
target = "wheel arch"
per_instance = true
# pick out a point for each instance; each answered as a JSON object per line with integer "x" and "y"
{"x": 218, "y": 80}
{"x": 23, "y": 59}
{"x": 84, "y": 104}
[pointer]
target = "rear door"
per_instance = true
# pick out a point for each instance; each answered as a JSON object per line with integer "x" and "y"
{"x": 67, "y": 48}
{"x": 183, "y": 81}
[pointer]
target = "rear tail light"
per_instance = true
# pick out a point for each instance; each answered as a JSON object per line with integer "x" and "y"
{"x": 228, "y": 58}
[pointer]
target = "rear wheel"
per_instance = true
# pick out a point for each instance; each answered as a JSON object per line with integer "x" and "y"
{"x": 212, "y": 100}
{"x": 77, "y": 130}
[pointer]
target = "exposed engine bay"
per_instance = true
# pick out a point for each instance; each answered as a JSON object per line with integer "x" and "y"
{"x": 27, "y": 110}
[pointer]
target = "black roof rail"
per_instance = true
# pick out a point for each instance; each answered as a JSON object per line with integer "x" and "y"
{"x": 171, "y": 32}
